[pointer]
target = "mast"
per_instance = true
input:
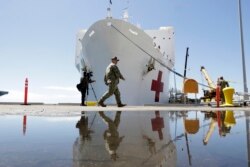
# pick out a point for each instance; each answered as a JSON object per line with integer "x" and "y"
{"x": 184, "y": 78}
{"x": 109, "y": 14}
{"x": 125, "y": 16}
{"x": 185, "y": 68}
{"x": 243, "y": 55}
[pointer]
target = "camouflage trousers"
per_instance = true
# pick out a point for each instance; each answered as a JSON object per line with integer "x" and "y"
{"x": 113, "y": 89}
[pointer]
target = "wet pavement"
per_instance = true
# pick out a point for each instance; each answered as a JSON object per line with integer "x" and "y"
{"x": 120, "y": 138}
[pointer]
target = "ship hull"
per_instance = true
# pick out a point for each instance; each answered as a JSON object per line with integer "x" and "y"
{"x": 135, "y": 49}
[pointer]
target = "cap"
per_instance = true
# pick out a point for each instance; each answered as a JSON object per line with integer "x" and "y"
{"x": 115, "y": 58}
{"x": 84, "y": 69}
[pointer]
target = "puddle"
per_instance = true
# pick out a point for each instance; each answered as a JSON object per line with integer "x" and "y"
{"x": 148, "y": 139}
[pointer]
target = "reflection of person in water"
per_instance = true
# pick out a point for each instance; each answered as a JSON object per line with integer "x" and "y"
{"x": 84, "y": 130}
{"x": 111, "y": 135}
{"x": 81, "y": 141}
{"x": 151, "y": 144}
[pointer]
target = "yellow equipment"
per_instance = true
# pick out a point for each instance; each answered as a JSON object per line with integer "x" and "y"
{"x": 91, "y": 103}
{"x": 228, "y": 93}
{"x": 211, "y": 93}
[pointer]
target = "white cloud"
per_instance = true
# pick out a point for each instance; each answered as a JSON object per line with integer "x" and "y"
{"x": 61, "y": 88}
{"x": 65, "y": 95}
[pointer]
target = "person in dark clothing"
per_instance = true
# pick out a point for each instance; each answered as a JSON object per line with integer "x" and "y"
{"x": 84, "y": 129}
{"x": 223, "y": 84}
{"x": 84, "y": 86}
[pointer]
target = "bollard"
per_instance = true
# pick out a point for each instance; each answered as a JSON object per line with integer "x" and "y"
{"x": 218, "y": 96}
{"x": 26, "y": 92}
{"x": 228, "y": 93}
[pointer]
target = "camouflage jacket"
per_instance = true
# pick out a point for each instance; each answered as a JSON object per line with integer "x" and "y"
{"x": 223, "y": 84}
{"x": 112, "y": 74}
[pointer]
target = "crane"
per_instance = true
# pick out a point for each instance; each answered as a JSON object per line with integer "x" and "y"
{"x": 211, "y": 93}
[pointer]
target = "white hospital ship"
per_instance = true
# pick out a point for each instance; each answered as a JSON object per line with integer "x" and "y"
{"x": 146, "y": 58}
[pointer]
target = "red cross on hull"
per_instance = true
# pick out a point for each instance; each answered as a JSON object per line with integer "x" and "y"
{"x": 157, "y": 86}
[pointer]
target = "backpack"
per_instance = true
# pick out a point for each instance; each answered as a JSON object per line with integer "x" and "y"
{"x": 105, "y": 80}
{"x": 78, "y": 86}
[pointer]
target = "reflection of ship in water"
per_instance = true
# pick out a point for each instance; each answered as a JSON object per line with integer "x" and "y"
{"x": 127, "y": 139}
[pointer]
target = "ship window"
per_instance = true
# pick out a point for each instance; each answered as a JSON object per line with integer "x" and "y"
{"x": 163, "y": 38}
{"x": 92, "y": 33}
{"x": 109, "y": 24}
{"x": 133, "y": 32}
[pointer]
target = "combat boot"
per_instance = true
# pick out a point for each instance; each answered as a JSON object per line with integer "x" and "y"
{"x": 100, "y": 103}
{"x": 121, "y": 105}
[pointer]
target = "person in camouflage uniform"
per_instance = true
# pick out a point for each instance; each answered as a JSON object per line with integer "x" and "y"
{"x": 111, "y": 78}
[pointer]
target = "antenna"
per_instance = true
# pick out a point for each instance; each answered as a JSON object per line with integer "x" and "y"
{"x": 125, "y": 12}
{"x": 109, "y": 14}
{"x": 127, "y": 5}
{"x": 127, "y": 2}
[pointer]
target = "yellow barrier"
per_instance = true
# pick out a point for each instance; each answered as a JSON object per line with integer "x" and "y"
{"x": 228, "y": 93}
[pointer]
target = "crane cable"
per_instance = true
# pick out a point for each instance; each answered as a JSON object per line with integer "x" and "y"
{"x": 162, "y": 64}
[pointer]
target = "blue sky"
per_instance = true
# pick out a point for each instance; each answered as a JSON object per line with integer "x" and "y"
{"x": 37, "y": 40}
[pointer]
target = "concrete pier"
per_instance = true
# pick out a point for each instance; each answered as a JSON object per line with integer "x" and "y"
{"x": 73, "y": 109}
